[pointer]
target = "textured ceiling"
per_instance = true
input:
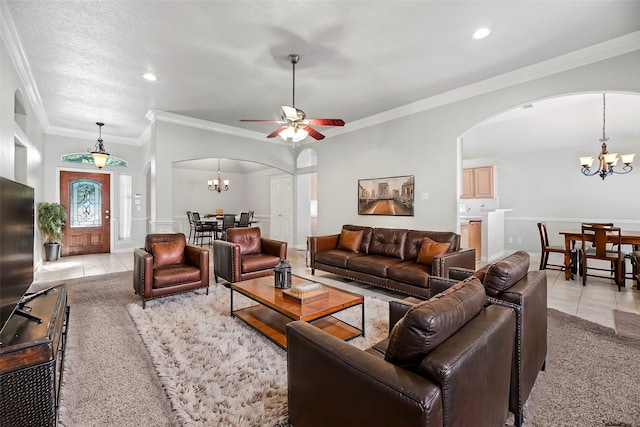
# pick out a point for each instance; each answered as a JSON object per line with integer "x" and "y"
{"x": 223, "y": 61}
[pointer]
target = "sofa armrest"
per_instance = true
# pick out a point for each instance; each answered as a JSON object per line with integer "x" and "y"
{"x": 528, "y": 298}
{"x": 465, "y": 258}
{"x": 460, "y": 273}
{"x": 474, "y": 364}
{"x": 274, "y": 247}
{"x": 198, "y": 257}
{"x": 439, "y": 284}
{"x": 226, "y": 261}
{"x": 142, "y": 272}
{"x": 331, "y": 382}
{"x": 319, "y": 244}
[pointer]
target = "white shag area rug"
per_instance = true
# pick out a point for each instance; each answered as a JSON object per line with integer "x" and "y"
{"x": 217, "y": 370}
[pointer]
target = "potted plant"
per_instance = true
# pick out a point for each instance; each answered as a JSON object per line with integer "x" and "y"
{"x": 51, "y": 219}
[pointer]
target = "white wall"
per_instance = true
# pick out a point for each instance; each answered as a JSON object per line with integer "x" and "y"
{"x": 424, "y": 145}
{"x": 30, "y": 136}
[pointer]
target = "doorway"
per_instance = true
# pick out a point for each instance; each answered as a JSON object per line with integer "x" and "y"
{"x": 86, "y": 196}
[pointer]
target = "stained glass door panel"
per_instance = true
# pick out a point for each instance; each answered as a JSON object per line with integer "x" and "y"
{"x": 86, "y": 197}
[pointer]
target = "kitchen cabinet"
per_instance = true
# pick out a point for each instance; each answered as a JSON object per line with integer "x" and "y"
{"x": 471, "y": 237}
{"x": 477, "y": 183}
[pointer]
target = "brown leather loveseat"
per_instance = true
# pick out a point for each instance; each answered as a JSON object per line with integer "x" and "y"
{"x": 246, "y": 255}
{"x": 445, "y": 363}
{"x": 509, "y": 282}
{"x": 168, "y": 265}
{"x": 392, "y": 258}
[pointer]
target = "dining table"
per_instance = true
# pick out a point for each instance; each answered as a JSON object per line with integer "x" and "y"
{"x": 629, "y": 237}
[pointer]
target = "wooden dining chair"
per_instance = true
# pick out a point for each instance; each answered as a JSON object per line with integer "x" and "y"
{"x": 600, "y": 236}
{"x": 547, "y": 249}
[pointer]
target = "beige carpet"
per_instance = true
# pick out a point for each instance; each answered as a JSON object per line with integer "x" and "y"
{"x": 108, "y": 377}
{"x": 627, "y": 324}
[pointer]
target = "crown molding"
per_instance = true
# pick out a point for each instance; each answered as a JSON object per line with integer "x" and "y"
{"x": 83, "y": 134}
{"x": 589, "y": 55}
{"x": 163, "y": 116}
{"x": 21, "y": 64}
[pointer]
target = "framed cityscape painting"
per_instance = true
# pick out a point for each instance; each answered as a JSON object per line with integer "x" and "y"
{"x": 386, "y": 196}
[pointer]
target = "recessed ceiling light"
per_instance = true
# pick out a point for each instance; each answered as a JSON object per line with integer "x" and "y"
{"x": 481, "y": 33}
{"x": 150, "y": 77}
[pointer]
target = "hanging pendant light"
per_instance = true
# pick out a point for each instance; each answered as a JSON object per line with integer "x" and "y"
{"x": 606, "y": 161}
{"x": 219, "y": 184}
{"x": 99, "y": 154}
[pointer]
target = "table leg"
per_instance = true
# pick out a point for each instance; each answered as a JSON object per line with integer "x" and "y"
{"x": 568, "y": 275}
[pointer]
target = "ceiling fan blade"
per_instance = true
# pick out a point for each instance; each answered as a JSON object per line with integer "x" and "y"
{"x": 290, "y": 113}
{"x": 276, "y": 132}
{"x": 326, "y": 122}
{"x": 314, "y": 133}
{"x": 262, "y": 121}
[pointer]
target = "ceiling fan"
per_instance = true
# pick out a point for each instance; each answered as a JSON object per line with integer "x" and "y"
{"x": 295, "y": 123}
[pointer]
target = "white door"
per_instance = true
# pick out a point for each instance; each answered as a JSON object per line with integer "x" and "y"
{"x": 281, "y": 208}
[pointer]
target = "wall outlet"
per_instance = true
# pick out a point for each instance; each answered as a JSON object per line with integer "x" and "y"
{"x": 518, "y": 240}
{"x": 510, "y": 240}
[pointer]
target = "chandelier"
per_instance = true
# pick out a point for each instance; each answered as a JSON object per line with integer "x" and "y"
{"x": 219, "y": 184}
{"x": 606, "y": 161}
{"x": 99, "y": 154}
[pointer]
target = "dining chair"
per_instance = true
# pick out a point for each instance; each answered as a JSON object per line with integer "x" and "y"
{"x": 599, "y": 236}
{"x": 228, "y": 221}
{"x": 203, "y": 230}
{"x": 547, "y": 249}
{"x": 191, "y": 226}
{"x": 244, "y": 219}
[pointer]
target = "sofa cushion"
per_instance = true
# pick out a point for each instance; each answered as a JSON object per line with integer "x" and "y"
{"x": 503, "y": 274}
{"x": 372, "y": 264}
{"x": 388, "y": 242}
{"x": 367, "y": 232}
{"x": 410, "y": 272}
{"x": 430, "y": 249}
{"x": 429, "y": 323}
{"x": 415, "y": 237}
{"x": 350, "y": 240}
{"x": 336, "y": 257}
{"x": 257, "y": 262}
{"x": 168, "y": 253}
{"x": 171, "y": 275}
{"x": 249, "y": 239}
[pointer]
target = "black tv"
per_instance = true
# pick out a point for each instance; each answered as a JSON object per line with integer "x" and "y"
{"x": 16, "y": 245}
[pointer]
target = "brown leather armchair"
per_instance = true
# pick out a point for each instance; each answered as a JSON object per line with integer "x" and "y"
{"x": 509, "y": 282}
{"x": 246, "y": 255}
{"x": 446, "y": 363}
{"x": 168, "y": 265}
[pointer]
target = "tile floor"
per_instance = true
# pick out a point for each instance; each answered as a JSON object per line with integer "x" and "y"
{"x": 594, "y": 302}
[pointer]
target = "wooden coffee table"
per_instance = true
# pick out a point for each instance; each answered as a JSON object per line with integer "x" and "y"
{"x": 272, "y": 313}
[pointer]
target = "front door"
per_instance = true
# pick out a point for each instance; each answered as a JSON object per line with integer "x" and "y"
{"x": 86, "y": 196}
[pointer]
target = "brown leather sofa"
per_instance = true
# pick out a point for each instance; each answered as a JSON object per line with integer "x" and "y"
{"x": 509, "y": 282}
{"x": 168, "y": 265}
{"x": 246, "y": 255}
{"x": 390, "y": 258}
{"x": 445, "y": 363}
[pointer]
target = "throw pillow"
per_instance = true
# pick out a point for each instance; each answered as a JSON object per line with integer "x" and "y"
{"x": 168, "y": 253}
{"x": 429, "y": 323}
{"x": 350, "y": 240}
{"x": 430, "y": 249}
